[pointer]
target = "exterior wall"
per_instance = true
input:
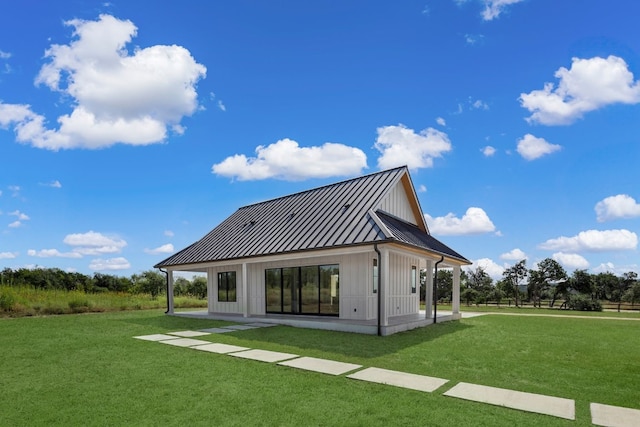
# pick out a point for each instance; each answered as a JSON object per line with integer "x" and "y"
{"x": 353, "y": 289}
{"x": 397, "y": 203}
{"x": 212, "y": 290}
{"x": 357, "y": 299}
{"x": 401, "y": 301}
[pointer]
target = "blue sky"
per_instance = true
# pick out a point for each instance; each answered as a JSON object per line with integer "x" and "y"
{"x": 130, "y": 129}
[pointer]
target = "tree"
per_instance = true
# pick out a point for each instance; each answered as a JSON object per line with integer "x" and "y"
{"x": 149, "y": 282}
{"x": 549, "y": 276}
{"x": 514, "y": 276}
{"x": 198, "y": 287}
{"x": 606, "y": 285}
{"x": 583, "y": 283}
{"x": 632, "y": 294}
{"x": 627, "y": 281}
{"x": 481, "y": 283}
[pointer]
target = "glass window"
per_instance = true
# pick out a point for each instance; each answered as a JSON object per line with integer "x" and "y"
{"x": 227, "y": 286}
{"x": 329, "y": 289}
{"x": 375, "y": 275}
{"x": 414, "y": 278}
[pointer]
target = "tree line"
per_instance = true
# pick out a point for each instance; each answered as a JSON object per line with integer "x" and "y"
{"x": 148, "y": 282}
{"x": 548, "y": 282}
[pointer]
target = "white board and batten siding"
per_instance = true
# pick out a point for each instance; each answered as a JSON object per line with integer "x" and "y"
{"x": 216, "y": 306}
{"x": 397, "y": 204}
{"x": 401, "y": 300}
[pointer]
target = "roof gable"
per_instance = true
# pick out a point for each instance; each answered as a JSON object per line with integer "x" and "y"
{"x": 346, "y": 213}
{"x": 329, "y": 216}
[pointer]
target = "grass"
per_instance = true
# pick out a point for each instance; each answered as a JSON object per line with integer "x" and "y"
{"x": 27, "y": 301}
{"x": 542, "y": 310}
{"x": 86, "y": 369}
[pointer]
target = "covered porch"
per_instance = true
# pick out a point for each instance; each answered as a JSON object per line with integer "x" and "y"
{"x": 370, "y": 327}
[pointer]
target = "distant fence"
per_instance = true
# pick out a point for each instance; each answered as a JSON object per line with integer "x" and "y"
{"x": 606, "y": 305}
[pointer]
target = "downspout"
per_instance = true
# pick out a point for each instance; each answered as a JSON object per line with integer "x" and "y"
{"x": 375, "y": 248}
{"x": 166, "y": 273}
{"x": 435, "y": 291}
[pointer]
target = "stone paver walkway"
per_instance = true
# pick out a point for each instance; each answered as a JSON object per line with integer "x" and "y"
{"x": 264, "y": 355}
{"x": 323, "y": 366}
{"x": 602, "y": 415}
{"x": 548, "y": 405}
{"x": 399, "y": 379}
{"x": 614, "y": 416}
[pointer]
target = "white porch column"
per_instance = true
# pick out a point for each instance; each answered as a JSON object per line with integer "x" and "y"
{"x": 245, "y": 294}
{"x": 455, "y": 300}
{"x": 170, "y": 291}
{"x": 428, "y": 294}
{"x": 384, "y": 285}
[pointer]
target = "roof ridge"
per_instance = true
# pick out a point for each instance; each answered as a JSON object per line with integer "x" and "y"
{"x": 335, "y": 184}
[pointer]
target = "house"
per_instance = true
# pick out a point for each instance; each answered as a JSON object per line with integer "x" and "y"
{"x": 344, "y": 256}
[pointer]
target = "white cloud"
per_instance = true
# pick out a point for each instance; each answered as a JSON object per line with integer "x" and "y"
{"x": 117, "y": 97}
{"x": 221, "y": 106}
{"x": 488, "y": 151}
{"x": 474, "y": 221}
{"x": 401, "y": 146}
{"x": 514, "y": 255}
{"x": 441, "y": 121}
{"x": 422, "y": 188}
{"x": 594, "y": 240}
{"x": 617, "y": 207}
{"x": 590, "y": 84}
{"x": 286, "y": 160}
{"x": 478, "y": 104}
{"x": 493, "y": 8}
{"x": 4, "y": 55}
{"x": 50, "y": 253}
{"x": 92, "y": 243}
{"x": 472, "y": 39}
{"x": 164, "y": 249}
{"x": 531, "y": 147}
{"x": 8, "y": 255}
{"x": 571, "y": 261}
{"x": 15, "y": 224}
{"x": 491, "y": 268}
{"x": 52, "y": 184}
{"x": 618, "y": 270}
{"x": 169, "y": 233}
{"x": 118, "y": 263}
{"x": 20, "y": 215}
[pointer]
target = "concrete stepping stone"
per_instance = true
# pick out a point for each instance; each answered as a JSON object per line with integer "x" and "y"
{"x": 216, "y": 330}
{"x": 220, "y": 348}
{"x": 399, "y": 379}
{"x": 614, "y": 416}
{"x": 156, "y": 337}
{"x": 262, "y": 325}
{"x": 541, "y": 404}
{"x": 264, "y": 355}
{"x": 240, "y": 327}
{"x": 188, "y": 334}
{"x": 185, "y": 342}
{"x": 323, "y": 366}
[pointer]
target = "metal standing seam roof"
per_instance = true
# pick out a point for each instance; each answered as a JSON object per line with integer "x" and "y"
{"x": 330, "y": 216}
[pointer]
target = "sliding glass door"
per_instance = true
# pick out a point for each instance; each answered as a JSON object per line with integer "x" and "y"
{"x": 303, "y": 290}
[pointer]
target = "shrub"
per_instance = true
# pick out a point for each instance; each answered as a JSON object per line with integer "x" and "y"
{"x": 7, "y": 300}
{"x": 79, "y": 305}
{"x": 581, "y": 302}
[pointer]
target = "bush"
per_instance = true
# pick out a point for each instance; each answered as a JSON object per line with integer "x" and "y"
{"x": 7, "y": 300}
{"x": 79, "y": 305}
{"x": 581, "y": 302}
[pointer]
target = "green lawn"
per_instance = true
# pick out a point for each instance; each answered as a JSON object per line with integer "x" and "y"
{"x": 87, "y": 369}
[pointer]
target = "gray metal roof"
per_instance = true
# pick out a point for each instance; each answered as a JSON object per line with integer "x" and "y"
{"x": 331, "y": 216}
{"x": 410, "y": 234}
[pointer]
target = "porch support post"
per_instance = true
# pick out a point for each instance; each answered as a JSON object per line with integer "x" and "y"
{"x": 428, "y": 290}
{"x": 245, "y": 294}
{"x": 170, "y": 292}
{"x": 384, "y": 285}
{"x": 455, "y": 300}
